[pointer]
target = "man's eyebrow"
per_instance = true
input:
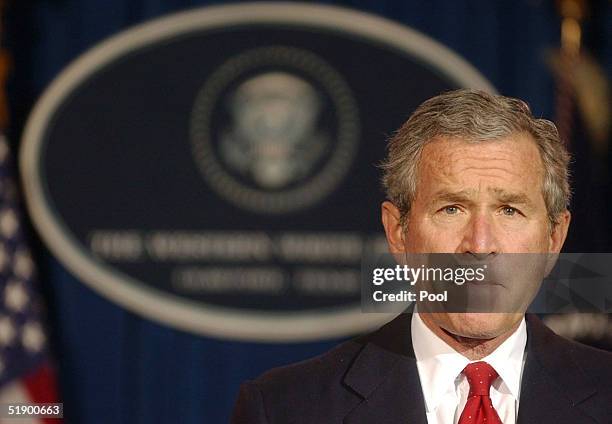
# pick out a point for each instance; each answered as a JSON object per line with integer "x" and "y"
{"x": 509, "y": 197}
{"x": 463, "y": 196}
{"x": 452, "y": 196}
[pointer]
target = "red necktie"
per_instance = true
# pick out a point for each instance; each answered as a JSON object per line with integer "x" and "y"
{"x": 479, "y": 408}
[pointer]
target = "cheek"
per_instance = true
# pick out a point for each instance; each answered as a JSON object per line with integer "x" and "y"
{"x": 527, "y": 240}
{"x": 426, "y": 238}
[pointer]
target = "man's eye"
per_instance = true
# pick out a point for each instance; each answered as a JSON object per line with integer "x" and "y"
{"x": 451, "y": 210}
{"x": 509, "y": 211}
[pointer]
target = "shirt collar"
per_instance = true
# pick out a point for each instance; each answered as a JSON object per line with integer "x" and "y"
{"x": 440, "y": 365}
{"x": 507, "y": 359}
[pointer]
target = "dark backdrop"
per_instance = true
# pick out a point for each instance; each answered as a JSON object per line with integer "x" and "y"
{"x": 115, "y": 366}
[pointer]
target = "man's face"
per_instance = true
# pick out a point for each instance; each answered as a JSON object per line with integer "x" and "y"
{"x": 477, "y": 198}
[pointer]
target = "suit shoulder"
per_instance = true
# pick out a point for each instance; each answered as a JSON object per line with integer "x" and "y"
{"x": 595, "y": 363}
{"x": 308, "y": 391}
{"x": 591, "y": 359}
{"x": 322, "y": 369}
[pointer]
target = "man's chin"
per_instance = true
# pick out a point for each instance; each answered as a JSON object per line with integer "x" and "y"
{"x": 478, "y": 325}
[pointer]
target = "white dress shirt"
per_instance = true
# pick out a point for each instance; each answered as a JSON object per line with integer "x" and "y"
{"x": 445, "y": 388}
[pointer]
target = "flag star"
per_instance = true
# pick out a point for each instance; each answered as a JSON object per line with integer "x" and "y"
{"x": 23, "y": 264}
{"x": 33, "y": 337}
{"x": 7, "y": 331}
{"x": 15, "y": 296}
{"x": 8, "y": 223}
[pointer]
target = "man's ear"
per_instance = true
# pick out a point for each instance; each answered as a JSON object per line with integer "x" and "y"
{"x": 393, "y": 229}
{"x": 559, "y": 232}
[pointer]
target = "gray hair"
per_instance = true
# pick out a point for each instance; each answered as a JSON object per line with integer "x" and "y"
{"x": 474, "y": 116}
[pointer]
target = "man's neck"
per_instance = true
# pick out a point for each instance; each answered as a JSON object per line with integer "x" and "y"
{"x": 471, "y": 348}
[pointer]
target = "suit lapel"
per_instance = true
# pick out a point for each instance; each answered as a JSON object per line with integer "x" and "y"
{"x": 553, "y": 388}
{"x": 385, "y": 375}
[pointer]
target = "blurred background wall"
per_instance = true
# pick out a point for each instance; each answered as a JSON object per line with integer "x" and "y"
{"x": 115, "y": 366}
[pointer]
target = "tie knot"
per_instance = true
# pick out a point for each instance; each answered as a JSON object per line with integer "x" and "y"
{"x": 480, "y": 375}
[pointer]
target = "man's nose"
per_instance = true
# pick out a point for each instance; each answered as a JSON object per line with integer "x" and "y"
{"x": 479, "y": 237}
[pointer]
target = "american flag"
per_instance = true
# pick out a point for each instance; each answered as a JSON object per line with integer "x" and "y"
{"x": 25, "y": 372}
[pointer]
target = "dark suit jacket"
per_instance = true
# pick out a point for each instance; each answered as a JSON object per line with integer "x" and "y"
{"x": 374, "y": 379}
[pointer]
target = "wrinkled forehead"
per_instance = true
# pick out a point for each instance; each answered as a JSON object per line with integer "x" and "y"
{"x": 500, "y": 165}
